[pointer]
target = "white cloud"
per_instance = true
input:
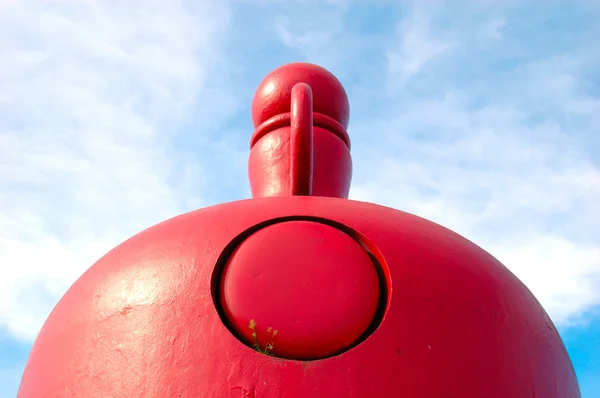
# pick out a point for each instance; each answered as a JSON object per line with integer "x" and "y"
{"x": 102, "y": 104}
{"x": 92, "y": 96}
{"x": 502, "y": 160}
{"x": 416, "y": 48}
{"x": 311, "y": 28}
{"x": 487, "y": 135}
{"x": 563, "y": 275}
{"x": 492, "y": 29}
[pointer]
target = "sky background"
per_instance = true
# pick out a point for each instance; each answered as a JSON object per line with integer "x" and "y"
{"x": 482, "y": 116}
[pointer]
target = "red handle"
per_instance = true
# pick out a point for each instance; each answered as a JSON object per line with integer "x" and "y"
{"x": 301, "y": 140}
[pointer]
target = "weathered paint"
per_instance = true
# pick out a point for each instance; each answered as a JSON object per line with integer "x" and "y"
{"x": 277, "y": 114}
{"x": 320, "y": 289}
{"x": 160, "y": 315}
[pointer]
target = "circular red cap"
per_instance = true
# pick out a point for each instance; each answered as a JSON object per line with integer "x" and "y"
{"x": 300, "y": 290}
{"x": 273, "y": 95}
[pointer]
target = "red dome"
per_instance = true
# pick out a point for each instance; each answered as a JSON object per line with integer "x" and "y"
{"x": 274, "y": 93}
{"x": 367, "y": 301}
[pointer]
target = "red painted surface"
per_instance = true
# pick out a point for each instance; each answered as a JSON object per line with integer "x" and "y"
{"x": 301, "y": 140}
{"x": 277, "y": 288}
{"x": 159, "y": 315}
{"x": 271, "y": 158}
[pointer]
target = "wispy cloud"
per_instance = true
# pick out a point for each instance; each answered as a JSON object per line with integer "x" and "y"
{"x": 114, "y": 117}
{"x": 487, "y": 131}
{"x": 93, "y": 96}
{"x": 417, "y": 46}
{"x": 497, "y": 151}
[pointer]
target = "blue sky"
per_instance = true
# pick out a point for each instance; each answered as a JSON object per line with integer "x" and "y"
{"x": 481, "y": 116}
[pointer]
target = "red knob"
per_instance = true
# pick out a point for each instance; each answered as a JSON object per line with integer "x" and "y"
{"x": 273, "y": 95}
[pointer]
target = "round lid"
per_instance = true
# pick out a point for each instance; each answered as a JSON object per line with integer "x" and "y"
{"x": 274, "y": 93}
{"x": 300, "y": 290}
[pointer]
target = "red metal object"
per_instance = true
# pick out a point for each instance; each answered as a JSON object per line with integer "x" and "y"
{"x": 367, "y": 301}
{"x": 275, "y": 110}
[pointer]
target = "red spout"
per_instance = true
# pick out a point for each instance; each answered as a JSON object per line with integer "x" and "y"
{"x": 300, "y": 145}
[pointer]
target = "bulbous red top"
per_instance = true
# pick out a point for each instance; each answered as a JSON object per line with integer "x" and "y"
{"x": 273, "y": 95}
{"x": 300, "y": 145}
